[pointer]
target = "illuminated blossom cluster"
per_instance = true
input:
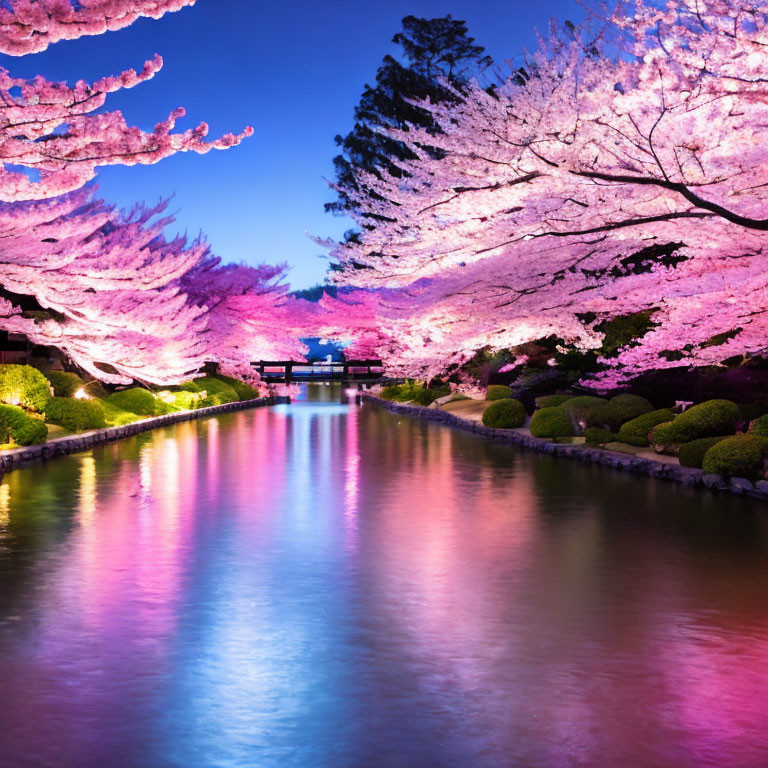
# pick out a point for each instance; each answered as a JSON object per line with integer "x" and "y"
{"x": 52, "y": 143}
{"x": 247, "y": 314}
{"x": 616, "y": 171}
{"x": 30, "y": 26}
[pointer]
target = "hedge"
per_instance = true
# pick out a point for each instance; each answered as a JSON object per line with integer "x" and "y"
{"x": 709, "y": 419}
{"x": 635, "y": 432}
{"x": 181, "y": 399}
{"x": 505, "y": 413}
{"x": 738, "y": 456}
{"x": 692, "y": 454}
{"x": 24, "y": 385}
{"x": 414, "y": 391}
{"x": 139, "y": 401}
{"x": 579, "y": 407}
{"x": 64, "y": 384}
{"x": 75, "y": 415}
{"x": 759, "y": 426}
{"x": 498, "y": 392}
{"x": 428, "y": 396}
{"x": 217, "y": 392}
{"x": 244, "y": 390}
{"x": 551, "y": 422}
{"x": 17, "y": 425}
{"x": 117, "y": 417}
{"x": 552, "y": 401}
{"x": 597, "y": 436}
{"x": 619, "y": 410}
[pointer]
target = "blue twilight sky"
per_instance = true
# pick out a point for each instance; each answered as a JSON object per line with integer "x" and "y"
{"x": 293, "y": 70}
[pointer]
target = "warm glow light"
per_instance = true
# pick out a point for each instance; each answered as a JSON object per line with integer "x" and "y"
{"x": 5, "y": 504}
{"x": 81, "y": 394}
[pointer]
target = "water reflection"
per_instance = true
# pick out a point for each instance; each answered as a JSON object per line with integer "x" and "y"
{"x": 328, "y": 585}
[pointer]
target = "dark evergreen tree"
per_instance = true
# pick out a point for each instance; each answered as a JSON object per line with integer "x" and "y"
{"x": 433, "y": 50}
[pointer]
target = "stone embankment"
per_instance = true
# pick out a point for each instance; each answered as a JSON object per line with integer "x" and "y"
{"x": 641, "y": 465}
{"x": 83, "y": 441}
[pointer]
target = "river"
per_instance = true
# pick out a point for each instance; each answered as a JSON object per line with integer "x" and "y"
{"x": 329, "y": 585}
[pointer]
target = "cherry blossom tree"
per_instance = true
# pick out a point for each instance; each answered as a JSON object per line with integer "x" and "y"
{"x": 613, "y": 172}
{"x": 106, "y": 283}
{"x": 30, "y": 26}
{"x": 247, "y": 314}
{"x": 52, "y": 143}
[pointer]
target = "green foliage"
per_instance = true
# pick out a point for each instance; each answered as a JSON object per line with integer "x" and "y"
{"x": 759, "y": 426}
{"x": 408, "y": 392}
{"x": 751, "y": 411}
{"x": 217, "y": 392}
{"x": 552, "y": 401}
{"x": 635, "y": 432}
{"x": 709, "y": 419}
{"x": 506, "y": 413}
{"x": 181, "y": 399}
{"x": 738, "y": 456}
{"x": 244, "y": 391}
{"x": 115, "y": 416}
{"x": 551, "y": 422}
{"x": 75, "y": 415}
{"x": 428, "y": 396}
{"x": 18, "y": 425}
{"x": 617, "y": 411}
{"x": 64, "y": 384}
{"x": 692, "y": 454}
{"x": 432, "y": 50}
{"x": 24, "y": 385}
{"x": 498, "y": 392}
{"x": 623, "y": 330}
{"x": 139, "y": 401}
{"x": 578, "y": 407}
{"x": 597, "y": 436}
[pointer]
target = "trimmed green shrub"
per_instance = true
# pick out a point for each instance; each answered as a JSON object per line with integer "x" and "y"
{"x": 498, "y": 392}
{"x": 759, "y": 426}
{"x": 635, "y": 432}
{"x": 139, "y": 401}
{"x": 738, "y": 456}
{"x": 692, "y": 454}
{"x": 24, "y": 385}
{"x": 428, "y": 396}
{"x": 181, "y": 399}
{"x": 392, "y": 392}
{"x": 64, "y": 384}
{"x": 244, "y": 390}
{"x": 17, "y": 425}
{"x": 617, "y": 411}
{"x": 505, "y": 413}
{"x": 117, "y": 417}
{"x": 404, "y": 393}
{"x": 710, "y": 419}
{"x": 552, "y": 401}
{"x": 579, "y": 407}
{"x": 551, "y": 422}
{"x": 75, "y": 415}
{"x": 597, "y": 436}
{"x": 217, "y": 392}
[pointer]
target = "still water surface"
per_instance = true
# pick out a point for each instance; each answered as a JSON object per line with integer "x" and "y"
{"x": 321, "y": 585}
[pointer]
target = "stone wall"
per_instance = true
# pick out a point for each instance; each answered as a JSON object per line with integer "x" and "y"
{"x": 621, "y": 461}
{"x": 83, "y": 441}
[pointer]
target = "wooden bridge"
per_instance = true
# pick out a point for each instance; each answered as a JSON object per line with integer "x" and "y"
{"x": 347, "y": 371}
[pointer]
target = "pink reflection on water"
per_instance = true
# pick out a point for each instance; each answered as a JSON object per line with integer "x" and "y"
{"x": 351, "y": 476}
